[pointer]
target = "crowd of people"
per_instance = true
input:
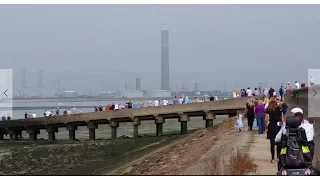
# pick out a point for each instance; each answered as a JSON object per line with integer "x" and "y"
{"x": 47, "y": 113}
{"x": 6, "y": 118}
{"x": 271, "y": 92}
{"x": 151, "y": 103}
{"x": 269, "y": 112}
{"x": 133, "y": 104}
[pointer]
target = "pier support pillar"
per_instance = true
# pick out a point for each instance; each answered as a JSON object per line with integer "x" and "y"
{"x": 92, "y": 126}
{"x": 159, "y": 123}
{"x": 14, "y": 134}
{"x": 209, "y": 118}
{"x": 184, "y": 118}
{"x": 209, "y": 123}
{"x": 52, "y": 132}
{"x": 135, "y": 123}
{"x": 33, "y": 133}
{"x": 114, "y": 124}
{"x": 159, "y": 129}
{"x": 72, "y": 131}
{"x": 2, "y": 132}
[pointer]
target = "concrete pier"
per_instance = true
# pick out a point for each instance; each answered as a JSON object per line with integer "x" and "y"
{"x": 183, "y": 112}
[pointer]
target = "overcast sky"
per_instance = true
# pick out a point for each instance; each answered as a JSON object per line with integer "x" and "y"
{"x": 99, "y": 47}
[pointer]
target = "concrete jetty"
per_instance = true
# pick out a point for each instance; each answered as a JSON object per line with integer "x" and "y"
{"x": 183, "y": 112}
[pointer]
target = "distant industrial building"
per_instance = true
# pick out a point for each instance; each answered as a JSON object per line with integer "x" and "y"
{"x": 108, "y": 94}
{"x": 159, "y": 93}
{"x": 138, "y": 84}
{"x": 131, "y": 94}
{"x": 69, "y": 94}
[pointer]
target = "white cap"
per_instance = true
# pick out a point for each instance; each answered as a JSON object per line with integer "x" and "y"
{"x": 295, "y": 110}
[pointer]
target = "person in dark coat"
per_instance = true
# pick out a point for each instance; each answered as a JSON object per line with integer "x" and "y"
{"x": 250, "y": 113}
{"x": 275, "y": 115}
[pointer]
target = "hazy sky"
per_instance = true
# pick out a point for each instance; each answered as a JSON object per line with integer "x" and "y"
{"x": 99, "y": 47}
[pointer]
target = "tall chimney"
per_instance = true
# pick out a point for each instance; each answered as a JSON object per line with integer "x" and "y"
{"x": 138, "y": 84}
{"x": 165, "y": 84}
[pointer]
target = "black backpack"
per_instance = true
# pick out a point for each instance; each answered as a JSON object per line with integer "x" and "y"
{"x": 295, "y": 151}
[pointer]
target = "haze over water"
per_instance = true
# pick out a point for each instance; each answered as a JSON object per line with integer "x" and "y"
{"x": 94, "y": 48}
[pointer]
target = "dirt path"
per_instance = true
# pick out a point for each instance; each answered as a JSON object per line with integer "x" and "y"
{"x": 190, "y": 156}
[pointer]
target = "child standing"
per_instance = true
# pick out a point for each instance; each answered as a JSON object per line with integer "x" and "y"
{"x": 239, "y": 121}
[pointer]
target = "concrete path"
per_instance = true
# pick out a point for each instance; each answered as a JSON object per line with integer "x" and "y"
{"x": 260, "y": 152}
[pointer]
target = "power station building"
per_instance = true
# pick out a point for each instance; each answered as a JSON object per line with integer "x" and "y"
{"x": 131, "y": 94}
{"x": 159, "y": 94}
{"x": 69, "y": 94}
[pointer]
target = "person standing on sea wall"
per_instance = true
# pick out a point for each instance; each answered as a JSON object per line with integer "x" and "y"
{"x": 265, "y": 92}
{"x": 249, "y": 92}
{"x": 29, "y": 115}
{"x": 57, "y": 111}
{"x": 288, "y": 87}
{"x": 135, "y": 104}
{"x": 175, "y": 100}
{"x": 216, "y": 98}
{"x": 256, "y": 91}
{"x": 311, "y": 81}
{"x": 129, "y": 104}
{"x": 281, "y": 92}
{"x": 141, "y": 104}
{"x": 297, "y": 85}
{"x": 150, "y": 103}
{"x": 234, "y": 94}
{"x": 165, "y": 102}
{"x": 156, "y": 102}
{"x": 74, "y": 110}
{"x": 4, "y": 118}
{"x": 186, "y": 100}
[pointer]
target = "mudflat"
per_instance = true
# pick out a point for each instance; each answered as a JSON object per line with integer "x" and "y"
{"x": 74, "y": 158}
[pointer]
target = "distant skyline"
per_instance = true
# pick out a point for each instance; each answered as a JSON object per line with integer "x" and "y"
{"x": 94, "y": 46}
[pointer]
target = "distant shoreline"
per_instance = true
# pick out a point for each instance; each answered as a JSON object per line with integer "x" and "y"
{"x": 78, "y": 99}
{"x": 92, "y": 99}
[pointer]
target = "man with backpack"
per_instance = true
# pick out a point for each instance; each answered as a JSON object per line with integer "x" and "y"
{"x": 296, "y": 140}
